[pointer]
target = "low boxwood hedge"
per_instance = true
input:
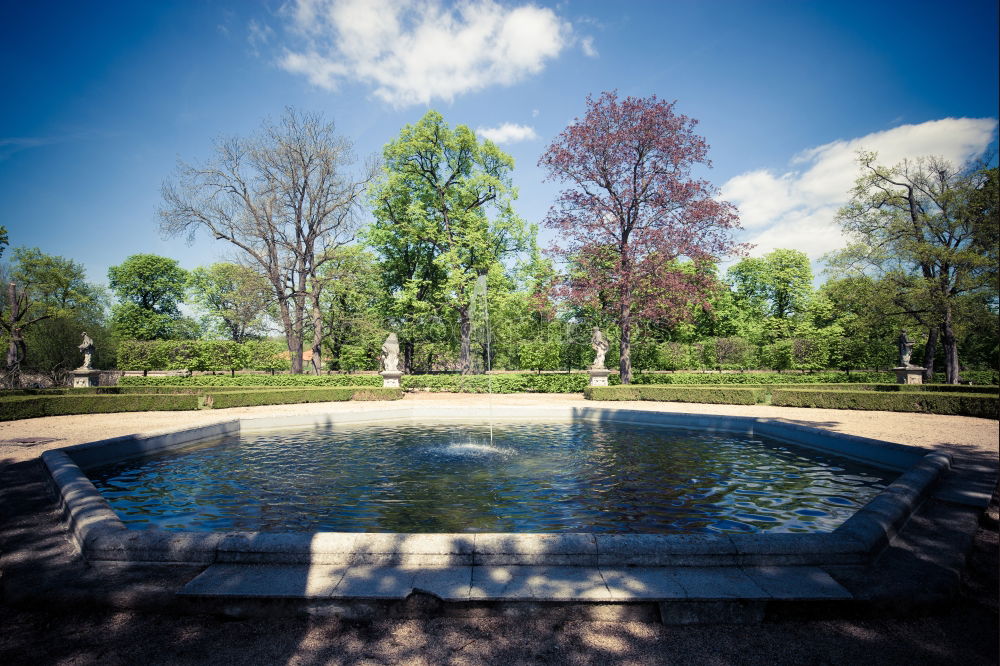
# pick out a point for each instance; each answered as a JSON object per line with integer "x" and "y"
{"x": 291, "y": 381}
{"x": 709, "y": 394}
{"x": 223, "y": 399}
{"x": 960, "y": 404}
{"x": 892, "y": 388}
{"x": 26, "y": 407}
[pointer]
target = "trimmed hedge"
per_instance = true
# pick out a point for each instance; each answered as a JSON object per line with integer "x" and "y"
{"x": 291, "y": 381}
{"x": 705, "y": 394}
{"x": 224, "y": 399}
{"x": 894, "y": 388}
{"x": 505, "y": 383}
{"x": 960, "y": 404}
{"x": 26, "y": 407}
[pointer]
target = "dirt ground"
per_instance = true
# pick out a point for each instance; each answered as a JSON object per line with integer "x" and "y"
{"x": 964, "y": 632}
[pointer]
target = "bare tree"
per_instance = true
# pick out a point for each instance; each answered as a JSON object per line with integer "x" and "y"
{"x": 286, "y": 197}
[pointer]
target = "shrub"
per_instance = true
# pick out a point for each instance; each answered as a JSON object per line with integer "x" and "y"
{"x": 255, "y": 380}
{"x": 763, "y": 378}
{"x": 223, "y": 399}
{"x": 705, "y": 394}
{"x": 25, "y": 407}
{"x": 961, "y": 404}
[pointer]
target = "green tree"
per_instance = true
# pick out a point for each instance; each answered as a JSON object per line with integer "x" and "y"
{"x": 351, "y": 318}
{"x": 149, "y": 289}
{"x": 48, "y": 304}
{"x": 778, "y": 284}
{"x": 438, "y": 187}
{"x": 929, "y": 228}
{"x": 237, "y": 299}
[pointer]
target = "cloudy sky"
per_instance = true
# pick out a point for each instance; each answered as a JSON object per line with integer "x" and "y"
{"x": 103, "y": 98}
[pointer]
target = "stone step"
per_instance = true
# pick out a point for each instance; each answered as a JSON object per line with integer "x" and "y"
{"x": 516, "y": 583}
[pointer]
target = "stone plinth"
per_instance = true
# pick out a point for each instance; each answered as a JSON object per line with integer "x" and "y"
{"x": 85, "y": 377}
{"x": 599, "y": 377}
{"x": 909, "y": 375}
{"x": 390, "y": 378}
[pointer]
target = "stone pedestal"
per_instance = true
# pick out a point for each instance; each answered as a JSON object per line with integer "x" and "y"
{"x": 909, "y": 375}
{"x": 599, "y": 377}
{"x": 390, "y": 378}
{"x": 85, "y": 377}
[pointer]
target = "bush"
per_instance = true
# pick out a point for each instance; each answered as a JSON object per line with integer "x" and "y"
{"x": 705, "y": 394}
{"x": 26, "y": 407}
{"x": 960, "y": 404}
{"x": 255, "y": 380}
{"x": 506, "y": 383}
{"x": 895, "y": 388}
{"x": 763, "y": 378}
{"x": 223, "y": 399}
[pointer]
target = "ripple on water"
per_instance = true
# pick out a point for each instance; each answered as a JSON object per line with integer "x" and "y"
{"x": 580, "y": 477}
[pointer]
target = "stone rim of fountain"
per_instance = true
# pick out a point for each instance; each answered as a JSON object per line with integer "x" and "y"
{"x": 102, "y": 536}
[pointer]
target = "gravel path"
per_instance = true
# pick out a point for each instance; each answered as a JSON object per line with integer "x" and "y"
{"x": 954, "y": 433}
{"x": 964, "y": 634}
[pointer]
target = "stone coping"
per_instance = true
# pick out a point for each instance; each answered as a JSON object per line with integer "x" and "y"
{"x": 102, "y": 536}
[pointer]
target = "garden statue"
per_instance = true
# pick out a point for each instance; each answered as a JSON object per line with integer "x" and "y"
{"x": 87, "y": 347}
{"x": 390, "y": 353}
{"x": 905, "y": 350}
{"x": 600, "y": 346}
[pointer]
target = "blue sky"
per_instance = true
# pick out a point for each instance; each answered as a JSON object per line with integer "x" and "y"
{"x": 101, "y": 99}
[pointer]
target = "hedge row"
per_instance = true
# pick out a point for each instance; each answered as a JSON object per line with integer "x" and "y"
{"x": 26, "y": 407}
{"x": 960, "y": 404}
{"x": 894, "y": 388}
{"x": 221, "y": 400}
{"x": 14, "y": 407}
{"x": 706, "y": 394}
{"x": 293, "y": 381}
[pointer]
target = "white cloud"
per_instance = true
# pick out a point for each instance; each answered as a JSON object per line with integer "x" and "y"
{"x": 796, "y": 209}
{"x": 507, "y": 133}
{"x": 587, "y": 44}
{"x": 415, "y": 51}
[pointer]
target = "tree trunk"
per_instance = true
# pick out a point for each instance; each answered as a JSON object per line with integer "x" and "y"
{"x": 317, "y": 341}
{"x": 950, "y": 344}
{"x": 408, "y": 357}
{"x": 465, "y": 327}
{"x": 625, "y": 344}
{"x": 930, "y": 351}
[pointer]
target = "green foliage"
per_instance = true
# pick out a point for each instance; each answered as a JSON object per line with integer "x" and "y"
{"x": 201, "y": 355}
{"x": 149, "y": 289}
{"x": 960, "y": 404}
{"x": 254, "y": 380}
{"x": 236, "y": 299}
{"x": 25, "y": 407}
{"x": 764, "y": 378}
{"x": 779, "y": 283}
{"x": 703, "y": 394}
{"x": 432, "y": 229}
{"x": 499, "y": 383}
{"x": 224, "y": 399}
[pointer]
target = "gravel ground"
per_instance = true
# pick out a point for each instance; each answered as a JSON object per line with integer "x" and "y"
{"x": 953, "y": 433}
{"x": 964, "y": 633}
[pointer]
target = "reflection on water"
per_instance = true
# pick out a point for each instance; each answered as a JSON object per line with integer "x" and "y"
{"x": 580, "y": 477}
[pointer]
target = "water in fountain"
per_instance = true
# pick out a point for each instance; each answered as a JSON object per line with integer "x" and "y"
{"x": 481, "y": 338}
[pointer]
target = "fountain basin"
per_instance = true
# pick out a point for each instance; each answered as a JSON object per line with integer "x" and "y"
{"x": 102, "y": 536}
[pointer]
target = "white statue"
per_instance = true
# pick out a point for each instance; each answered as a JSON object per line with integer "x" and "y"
{"x": 600, "y": 346}
{"x": 390, "y": 353}
{"x": 87, "y": 347}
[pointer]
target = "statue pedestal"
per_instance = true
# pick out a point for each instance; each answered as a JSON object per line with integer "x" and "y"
{"x": 85, "y": 377}
{"x": 909, "y": 375}
{"x": 599, "y": 377}
{"x": 390, "y": 378}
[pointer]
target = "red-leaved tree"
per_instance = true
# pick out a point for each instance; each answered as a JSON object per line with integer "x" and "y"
{"x": 634, "y": 214}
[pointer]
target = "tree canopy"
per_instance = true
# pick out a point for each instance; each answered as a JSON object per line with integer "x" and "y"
{"x": 633, "y": 208}
{"x": 445, "y": 200}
